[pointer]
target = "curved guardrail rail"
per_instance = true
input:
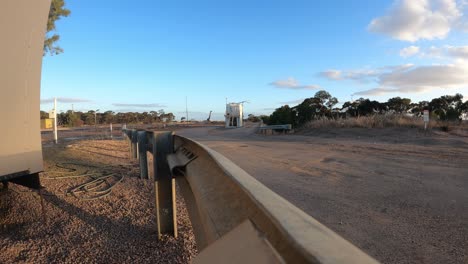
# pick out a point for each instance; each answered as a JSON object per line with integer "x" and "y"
{"x": 235, "y": 218}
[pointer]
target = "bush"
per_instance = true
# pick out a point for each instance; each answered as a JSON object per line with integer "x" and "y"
{"x": 373, "y": 121}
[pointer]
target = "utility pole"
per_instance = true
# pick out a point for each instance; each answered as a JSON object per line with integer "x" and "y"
{"x": 95, "y": 118}
{"x": 186, "y": 110}
{"x": 55, "y": 121}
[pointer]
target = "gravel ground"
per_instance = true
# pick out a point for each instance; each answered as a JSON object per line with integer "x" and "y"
{"x": 119, "y": 228}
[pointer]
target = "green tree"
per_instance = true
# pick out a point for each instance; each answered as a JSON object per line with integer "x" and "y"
{"x": 44, "y": 115}
{"x": 318, "y": 106}
{"x": 398, "y": 104}
{"x": 108, "y": 117}
{"x": 448, "y": 107}
{"x": 253, "y": 118}
{"x": 57, "y": 11}
{"x": 282, "y": 115}
{"x": 326, "y": 99}
{"x": 169, "y": 117}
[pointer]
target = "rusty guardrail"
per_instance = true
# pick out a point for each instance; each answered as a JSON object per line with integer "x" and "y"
{"x": 235, "y": 218}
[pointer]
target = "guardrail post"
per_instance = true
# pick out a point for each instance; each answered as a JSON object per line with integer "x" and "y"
{"x": 142, "y": 147}
{"x": 134, "y": 139}
{"x": 164, "y": 184}
{"x": 128, "y": 135}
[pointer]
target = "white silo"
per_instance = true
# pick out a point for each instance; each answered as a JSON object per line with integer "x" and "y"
{"x": 234, "y": 115}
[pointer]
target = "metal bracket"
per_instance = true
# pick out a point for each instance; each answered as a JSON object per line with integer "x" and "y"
{"x": 177, "y": 161}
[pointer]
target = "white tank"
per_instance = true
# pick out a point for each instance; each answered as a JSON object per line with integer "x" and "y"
{"x": 234, "y": 115}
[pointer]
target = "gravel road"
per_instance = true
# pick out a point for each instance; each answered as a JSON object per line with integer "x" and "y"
{"x": 398, "y": 194}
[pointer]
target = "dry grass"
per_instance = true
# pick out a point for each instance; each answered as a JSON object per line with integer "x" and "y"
{"x": 382, "y": 121}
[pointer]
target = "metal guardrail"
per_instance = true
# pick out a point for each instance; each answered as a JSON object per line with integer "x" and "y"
{"x": 235, "y": 218}
{"x": 284, "y": 127}
{"x": 269, "y": 129}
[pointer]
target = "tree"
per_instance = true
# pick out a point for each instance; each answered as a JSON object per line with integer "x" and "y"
{"x": 447, "y": 107}
{"x": 57, "y": 11}
{"x": 169, "y": 117}
{"x": 44, "y": 115}
{"x": 351, "y": 108}
{"x": 253, "y": 118}
{"x": 318, "y": 106}
{"x": 154, "y": 115}
{"x": 108, "y": 117}
{"x": 399, "y": 105}
{"x": 326, "y": 99}
{"x": 282, "y": 115}
{"x": 89, "y": 117}
{"x": 265, "y": 119}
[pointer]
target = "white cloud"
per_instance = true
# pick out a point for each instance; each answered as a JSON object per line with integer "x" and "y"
{"x": 408, "y": 78}
{"x": 331, "y": 74}
{"x": 297, "y": 101}
{"x": 65, "y": 100}
{"x": 433, "y": 52}
{"x": 420, "y": 79}
{"x": 409, "y": 51}
{"x": 458, "y": 52}
{"x": 434, "y": 76}
{"x": 412, "y": 20}
{"x": 359, "y": 75}
{"x": 292, "y": 83}
{"x": 139, "y": 105}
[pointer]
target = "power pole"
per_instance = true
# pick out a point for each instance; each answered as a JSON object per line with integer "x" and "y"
{"x": 186, "y": 110}
{"x": 95, "y": 118}
{"x": 55, "y": 121}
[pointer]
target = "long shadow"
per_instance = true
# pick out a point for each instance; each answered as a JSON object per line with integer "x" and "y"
{"x": 128, "y": 236}
{"x": 115, "y": 233}
{"x": 91, "y": 219}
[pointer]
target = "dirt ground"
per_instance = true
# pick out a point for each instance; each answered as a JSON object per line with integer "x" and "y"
{"x": 398, "y": 194}
{"x": 401, "y": 195}
{"x": 118, "y": 228}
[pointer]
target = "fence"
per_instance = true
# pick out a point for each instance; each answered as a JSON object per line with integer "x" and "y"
{"x": 235, "y": 218}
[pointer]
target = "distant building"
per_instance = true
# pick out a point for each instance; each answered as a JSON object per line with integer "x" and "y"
{"x": 234, "y": 115}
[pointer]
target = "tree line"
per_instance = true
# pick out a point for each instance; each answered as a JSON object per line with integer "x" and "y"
{"x": 75, "y": 118}
{"x": 447, "y": 108}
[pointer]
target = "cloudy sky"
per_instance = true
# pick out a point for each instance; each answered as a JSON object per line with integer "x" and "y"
{"x": 123, "y": 56}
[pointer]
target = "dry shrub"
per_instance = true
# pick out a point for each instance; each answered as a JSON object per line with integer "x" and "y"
{"x": 374, "y": 121}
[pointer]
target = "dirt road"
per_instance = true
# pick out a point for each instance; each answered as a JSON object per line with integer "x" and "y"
{"x": 398, "y": 194}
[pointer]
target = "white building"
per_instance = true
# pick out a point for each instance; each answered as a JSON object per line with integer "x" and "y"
{"x": 234, "y": 115}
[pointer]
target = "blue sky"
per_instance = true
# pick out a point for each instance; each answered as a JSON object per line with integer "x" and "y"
{"x": 151, "y": 55}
